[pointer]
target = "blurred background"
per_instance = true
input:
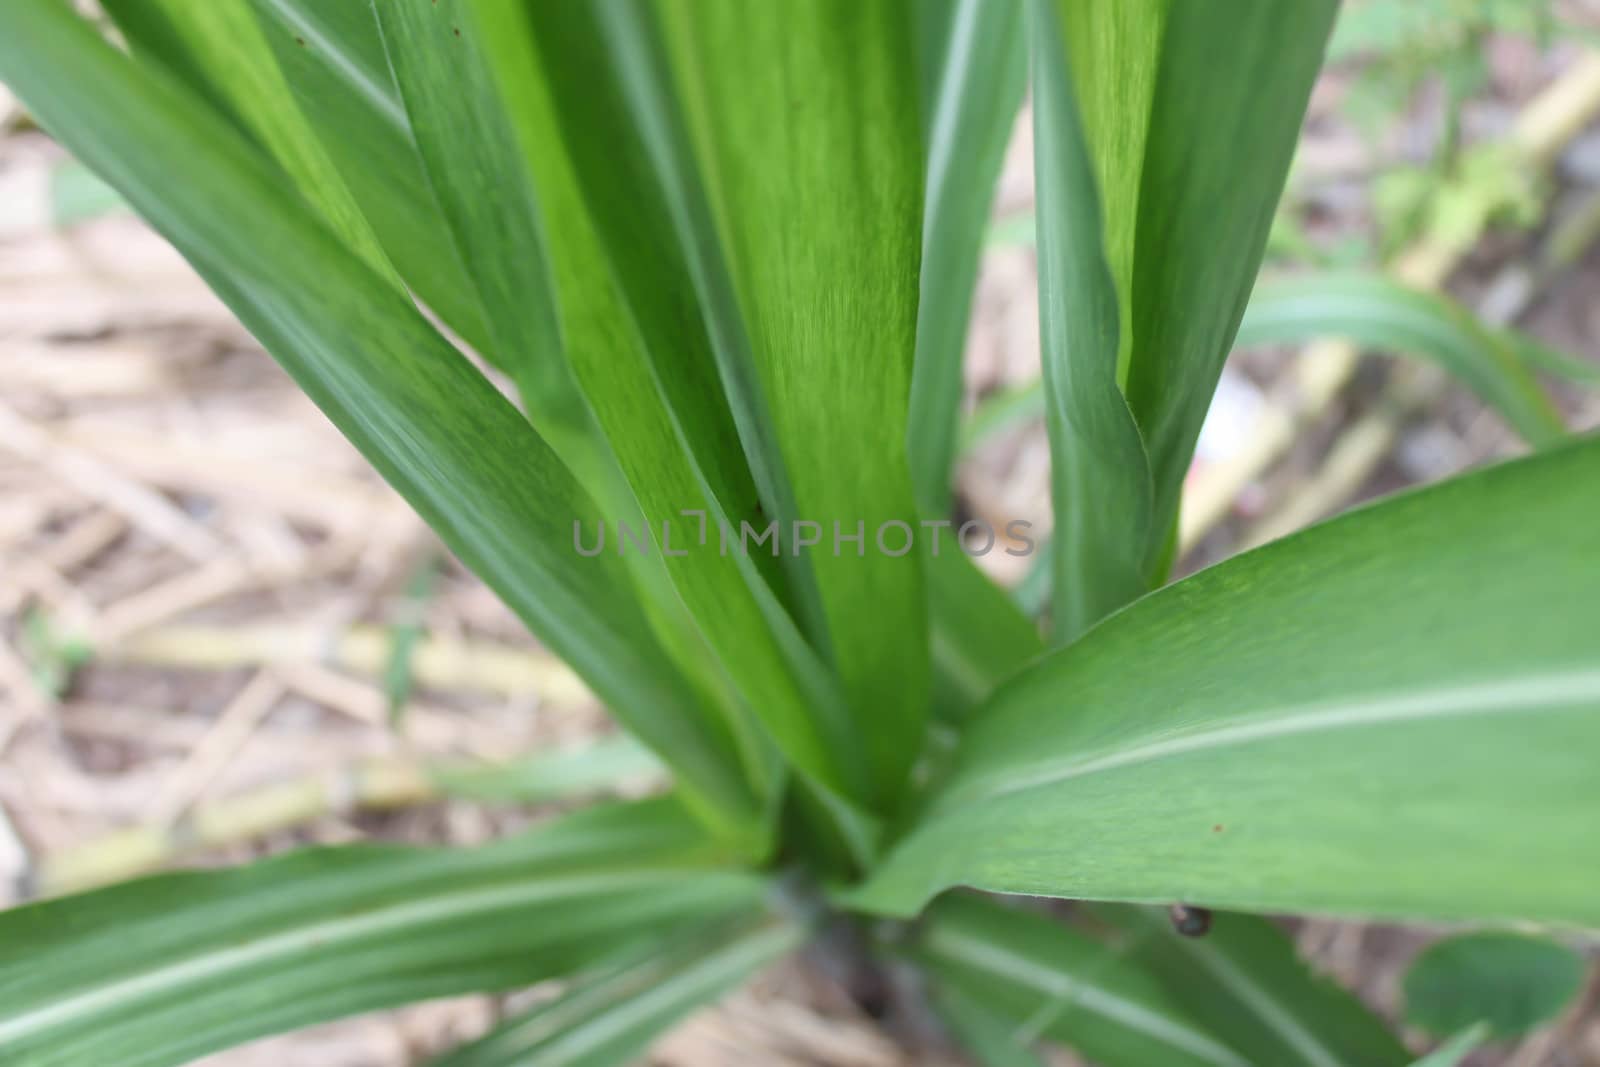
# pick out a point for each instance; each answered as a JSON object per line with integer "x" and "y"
{"x": 221, "y": 635}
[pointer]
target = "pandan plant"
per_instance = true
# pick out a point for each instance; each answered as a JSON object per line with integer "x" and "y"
{"x": 720, "y": 256}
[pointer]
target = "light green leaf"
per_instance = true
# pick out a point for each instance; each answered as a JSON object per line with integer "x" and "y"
{"x": 1388, "y": 714}
{"x": 1246, "y": 981}
{"x": 1230, "y": 92}
{"x": 1114, "y": 51}
{"x": 78, "y": 195}
{"x": 474, "y": 165}
{"x": 1512, "y": 982}
{"x": 1100, "y": 477}
{"x": 585, "y": 770}
{"x": 163, "y": 970}
{"x": 218, "y": 50}
{"x": 1375, "y": 311}
{"x": 979, "y": 77}
{"x": 1458, "y": 1048}
{"x": 1060, "y": 984}
{"x": 807, "y": 138}
{"x": 331, "y": 55}
{"x": 426, "y": 419}
{"x": 611, "y": 1017}
{"x": 654, "y": 389}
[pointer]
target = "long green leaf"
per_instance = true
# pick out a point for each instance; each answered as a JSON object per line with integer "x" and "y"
{"x": 1100, "y": 476}
{"x": 979, "y": 637}
{"x": 332, "y": 57}
{"x": 981, "y": 73}
{"x": 166, "y": 969}
{"x": 431, "y": 425}
{"x": 609, "y": 1019}
{"x": 1060, "y": 984}
{"x": 675, "y": 447}
{"x": 474, "y": 164}
{"x": 1388, "y": 714}
{"x": 1375, "y": 311}
{"x": 807, "y": 138}
{"x": 219, "y": 51}
{"x": 1246, "y": 981}
{"x": 1225, "y": 111}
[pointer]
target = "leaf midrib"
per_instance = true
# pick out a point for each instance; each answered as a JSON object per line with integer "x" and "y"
{"x": 1526, "y": 695}
{"x": 403, "y": 917}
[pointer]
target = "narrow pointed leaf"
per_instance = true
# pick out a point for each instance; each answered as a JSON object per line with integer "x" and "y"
{"x": 1114, "y": 50}
{"x": 1060, "y": 984}
{"x": 1246, "y": 981}
{"x": 1100, "y": 477}
{"x": 981, "y": 73}
{"x": 332, "y": 57}
{"x": 807, "y": 136}
{"x": 1230, "y": 92}
{"x": 1374, "y": 311}
{"x": 433, "y": 426}
{"x": 218, "y": 50}
{"x": 163, "y": 970}
{"x": 475, "y": 168}
{"x": 1387, "y": 714}
{"x": 610, "y": 1018}
{"x": 659, "y": 406}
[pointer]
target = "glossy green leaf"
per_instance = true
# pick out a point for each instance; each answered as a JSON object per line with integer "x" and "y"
{"x": 1387, "y": 714}
{"x": 1375, "y": 311}
{"x": 332, "y": 57}
{"x": 1246, "y": 981}
{"x": 474, "y": 165}
{"x": 429, "y": 422}
{"x": 1511, "y": 982}
{"x": 163, "y": 970}
{"x": 1062, "y": 985}
{"x": 611, "y": 1017}
{"x": 1100, "y": 477}
{"x": 219, "y": 51}
{"x": 1231, "y": 87}
{"x": 981, "y": 71}
{"x": 806, "y": 134}
{"x": 1114, "y": 52}
{"x": 659, "y": 406}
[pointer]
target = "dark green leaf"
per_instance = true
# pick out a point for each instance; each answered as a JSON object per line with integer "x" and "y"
{"x": 1388, "y": 714}
{"x": 1225, "y": 112}
{"x": 434, "y": 427}
{"x": 1512, "y": 982}
{"x": 990, "y": 1038}
{"x": 981, "y": 72}
{"x": 1100, "y": 477}
{"x": 163, "y": 970}
{"x": 1060, "y": 984}
{"x": 1245, "y": 980}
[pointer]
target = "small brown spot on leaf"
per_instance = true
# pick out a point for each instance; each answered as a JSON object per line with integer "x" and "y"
{"x": 456, "y": 30}
{"x": 1217, "y": 829}
{"x": 301, "y": 41}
